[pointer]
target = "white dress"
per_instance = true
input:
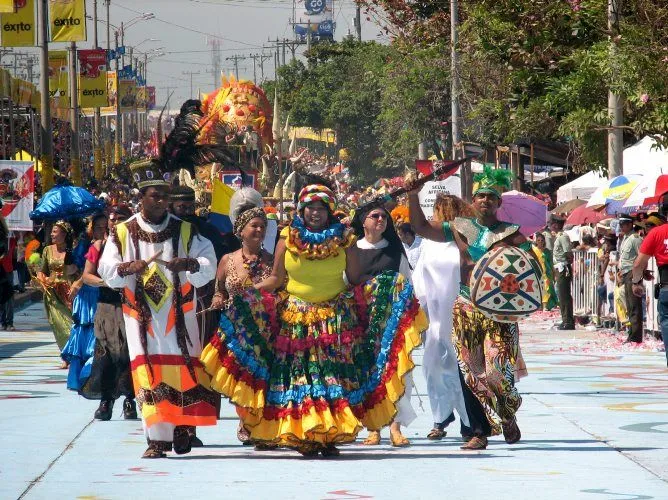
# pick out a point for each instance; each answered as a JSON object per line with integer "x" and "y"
{"x": 436, "y": 279}
{"x": 166, "y": 390}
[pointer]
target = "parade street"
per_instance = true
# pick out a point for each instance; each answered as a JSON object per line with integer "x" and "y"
{"x": 594, "y": 425}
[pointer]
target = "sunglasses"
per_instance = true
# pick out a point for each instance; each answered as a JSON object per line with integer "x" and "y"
{"x": 377, "y": 216}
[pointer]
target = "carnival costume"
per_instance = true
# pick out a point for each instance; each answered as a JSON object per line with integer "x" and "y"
{"x": 487, "y": 350}
{"x": 110, "y": 375}
{"x": 159, "y": 305}
{"x": 56, "y": 294}
{"x": 310, "y": 370}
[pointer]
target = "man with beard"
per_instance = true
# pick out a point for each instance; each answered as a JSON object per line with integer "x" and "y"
{"x": 486, "y": 349}
{"x": 158, "y": 261}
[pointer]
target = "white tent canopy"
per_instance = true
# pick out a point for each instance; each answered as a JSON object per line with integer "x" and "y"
{"x": 580, "y": 188}
{"x": 644, "y": 158}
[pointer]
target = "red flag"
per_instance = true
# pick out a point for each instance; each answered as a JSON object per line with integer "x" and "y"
{"x": 426, "y": 167}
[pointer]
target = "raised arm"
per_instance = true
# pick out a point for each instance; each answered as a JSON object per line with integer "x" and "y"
{"x": 427, "y": 229}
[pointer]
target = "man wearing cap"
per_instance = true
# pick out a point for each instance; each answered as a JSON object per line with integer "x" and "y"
{"x": 562, "y": 258}
{"x": 158, "y": 261}
{"x": 628, "y": 251}
{"x": 655, "y": 245}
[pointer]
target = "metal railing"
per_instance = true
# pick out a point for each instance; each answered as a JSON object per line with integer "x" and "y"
{"x": 585, "y": 281}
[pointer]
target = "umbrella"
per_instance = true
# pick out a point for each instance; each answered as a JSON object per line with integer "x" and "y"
{"x": 649, "y": 191}
{"x": 66, "y": 202}
{"x": 568, "y": 206}
{"x": 585, "y": 215}
{"x": 613, "y": 193}
{"x": 527, "y": 211}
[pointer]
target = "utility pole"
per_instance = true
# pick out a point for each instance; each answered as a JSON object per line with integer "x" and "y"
{"x": 75, "y": 160}
{"x": 191, "y": 73}
{"x": 455, "y": 119}
{"x": 236, "y": 60}
{"x": 358, "y": 23}
{"x": 107, "y": 135}
{"x": 615, "y": 101}
{"x": 97, "y": 122}
{"x": 45, "y": 115}
{"x": 118, "y": 153}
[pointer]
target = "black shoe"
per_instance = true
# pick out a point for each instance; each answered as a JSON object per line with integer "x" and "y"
{"x": 195, "y": 442}
{"x": 104, "y": 411}
{"x": 129, "y": 409}
{"x": 181, "y": 440}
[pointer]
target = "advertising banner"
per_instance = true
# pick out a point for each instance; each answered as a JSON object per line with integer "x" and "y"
{"x": 6, "y": 6}
{"x": 112, "y": 92}
{"x": 151, "y": 97}
{"x": 17, "y": 190}
{"x": 142, "y": 99}
{"x": 18, "y": 28}
{"x": 127, "y": 91}
{"x": 68, "y": 20}
{"x": 92, "y": 78}
{"x": 58, "y": 81}
{"x": 319, "y": 15}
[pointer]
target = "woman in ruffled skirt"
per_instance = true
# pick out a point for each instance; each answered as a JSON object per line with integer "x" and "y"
{"x": 309, "y": 370}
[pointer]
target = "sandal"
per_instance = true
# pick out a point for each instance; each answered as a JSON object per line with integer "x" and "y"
{"x": 243, "y": 435}
{"x": 398, "y": 440}
{"x": 153, "y": 453}
{"x": 373, "y": 439}
{"x": 436, "y": 434}
{"x": 475, "y": 443}
{"x": 265, "y": 446}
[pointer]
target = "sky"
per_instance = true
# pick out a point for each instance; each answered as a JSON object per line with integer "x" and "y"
{"x": 182, "y": 28}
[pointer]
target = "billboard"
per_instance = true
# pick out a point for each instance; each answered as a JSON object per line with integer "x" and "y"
{"x": 318, "y": 14}
{"x": 18, "y": 28}
{"x": 92, "y": 78}
{"x": 67, "y": 19}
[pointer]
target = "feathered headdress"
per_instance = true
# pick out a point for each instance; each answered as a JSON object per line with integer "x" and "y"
{"x": 181, "y": 149}
{"x": 495, "y": 181}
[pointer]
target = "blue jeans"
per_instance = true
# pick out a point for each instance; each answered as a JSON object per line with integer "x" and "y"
{"x": 663, "y": 317}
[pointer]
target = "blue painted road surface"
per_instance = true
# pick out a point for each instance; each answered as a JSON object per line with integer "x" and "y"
{"x": 594, "y": 426}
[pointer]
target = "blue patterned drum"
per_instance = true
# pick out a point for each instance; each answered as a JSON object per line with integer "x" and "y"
{"x": 506, "y": 284}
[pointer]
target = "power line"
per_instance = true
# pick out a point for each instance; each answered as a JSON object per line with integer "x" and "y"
{"x": 190, "y": 29}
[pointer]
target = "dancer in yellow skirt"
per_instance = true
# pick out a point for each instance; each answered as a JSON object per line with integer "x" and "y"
{"x": 310, "y": 370}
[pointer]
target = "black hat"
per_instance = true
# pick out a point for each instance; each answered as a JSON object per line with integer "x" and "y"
{"x": 182, "y": 193}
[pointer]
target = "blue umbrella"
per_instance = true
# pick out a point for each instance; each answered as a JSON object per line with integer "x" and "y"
{"x": 66, "y": 202}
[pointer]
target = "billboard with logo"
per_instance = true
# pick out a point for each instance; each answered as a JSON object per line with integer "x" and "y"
{"x": 19, "y": 27}
{"x": 67, "y": 19}
{"x": 92, "y": 78}
{"x": 318, "y": 15}
{"x": 17, "y": 190}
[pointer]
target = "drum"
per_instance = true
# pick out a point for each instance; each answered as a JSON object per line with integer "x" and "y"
{"x": 506, "y": 284}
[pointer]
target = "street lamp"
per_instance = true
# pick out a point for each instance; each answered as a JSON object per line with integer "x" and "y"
{"x": 146, "y": 40}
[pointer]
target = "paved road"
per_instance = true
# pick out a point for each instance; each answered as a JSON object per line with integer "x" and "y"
{"x": 594, "y": 426}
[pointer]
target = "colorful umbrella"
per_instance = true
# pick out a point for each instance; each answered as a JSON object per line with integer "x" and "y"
{"x": 527, "y": 211}
{"x": 568, "y": 206}
{"x": 66, "y": 202}
{"x": 649, "y": 191}
{"x": 613, "y": 193}
{"x": 585, "y": 215}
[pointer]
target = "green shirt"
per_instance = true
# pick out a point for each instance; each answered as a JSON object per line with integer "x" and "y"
{"x": 562, "y": 248}
{"x": 628, "y": 251}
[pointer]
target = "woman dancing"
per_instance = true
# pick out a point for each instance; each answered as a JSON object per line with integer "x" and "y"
{"x": 310, "y": 372}
{"x": 55, "y": 278}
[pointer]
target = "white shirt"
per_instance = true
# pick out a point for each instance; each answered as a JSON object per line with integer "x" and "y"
{"x": 413, "y": 251}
